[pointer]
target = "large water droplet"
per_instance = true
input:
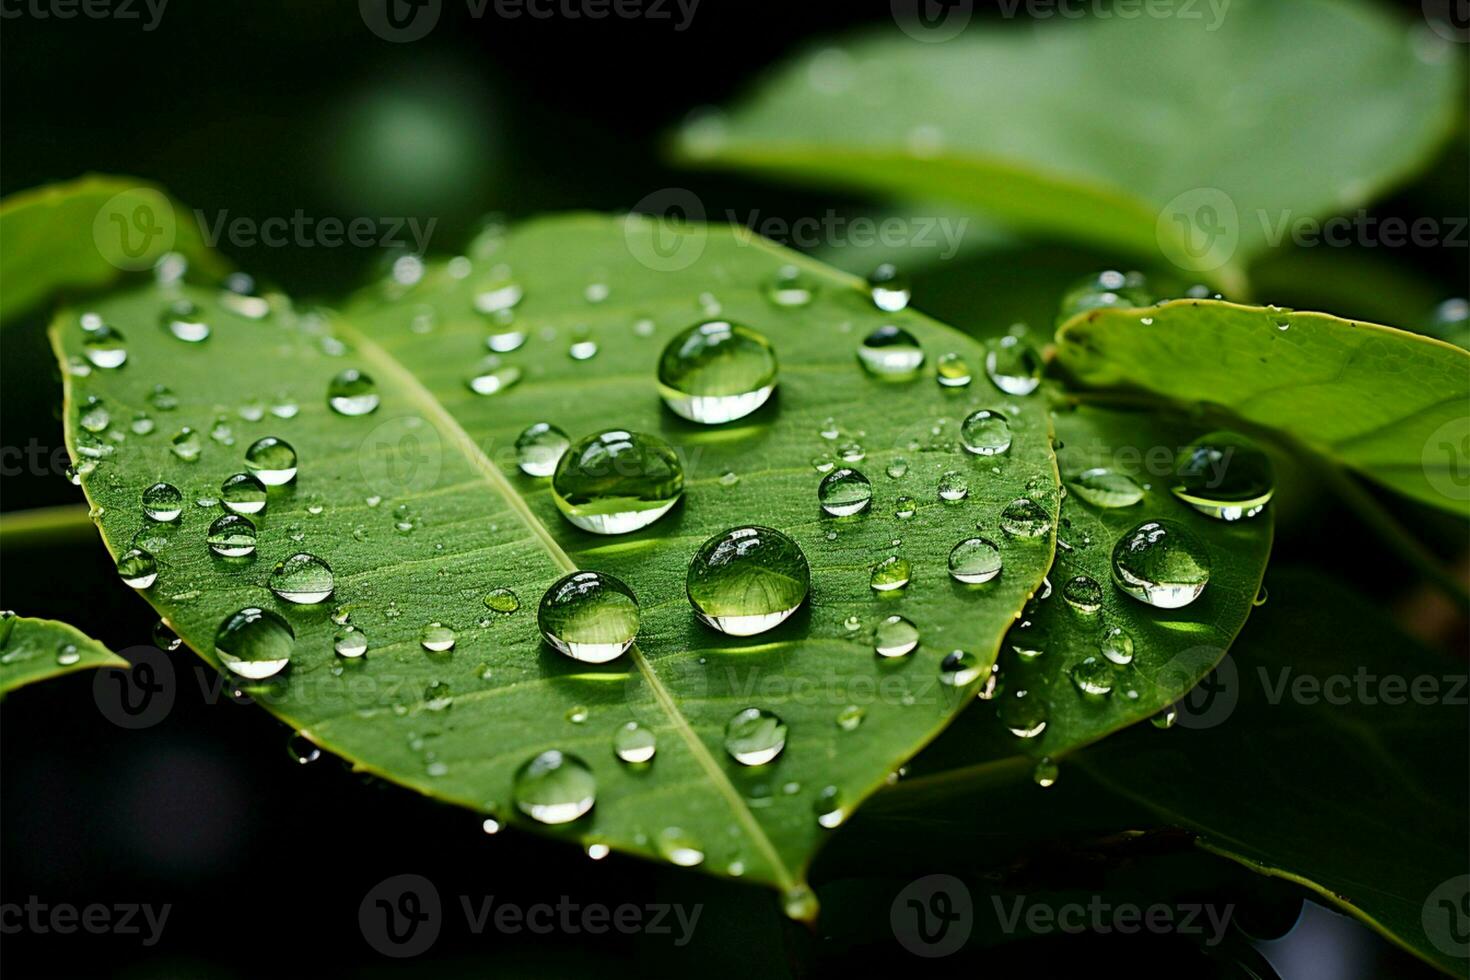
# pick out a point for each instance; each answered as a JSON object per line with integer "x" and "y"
{"x": 895, "y": 636}
{"x": 1013, "y": 365}
{"x": 539, "y": 447}
{"x": 952, "y": 371}
{"x": 231, "y": 536}
{"x": 1224, "y": 475}
{"x": 1093, "y": 675}
{"x": 1024, "y": 518}
{"x": 1024, "y": 714}
{"x": 893, "y": 572}
{"x": 272, "y": 460}
{"x": 634, "y": 744}
{"x": 974, "y": 560}
{"x": 254, "y": 643}
{"x": 755, "y": 736}
{"x": 891, "y": 353}
{"x": 350, "y": 642}
{"x": 163, "y": 502}
{"x": 589, "y": 616}
{"x": 137, "y": 568}
{"x": 747, "y": 580}
{"x": 614, "y": 482}
{"x": 242, "y": 493}
{"x": 953, "y": 487}
{"x": 1161, "y": 563}
{"x": 1083, "y": 594}
{"x": 554, "y": 788}
{"x": 303, "y": 579}
{"x": 986, "y": 433}
{"x": 844, "y": 492}
{"x": 1107, "y": 488}
{"x": 958, "y": 668}
{"x": 437, "y": 638}
{"x": 1116, "y": 644}
{"x": 889, "y": 288}
{"x": 716, "y": 371}
{"x": 352, "y": 393}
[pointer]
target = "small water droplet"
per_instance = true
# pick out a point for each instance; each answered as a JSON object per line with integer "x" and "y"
{"x": 747, "y": 580}
{"x": 137, "y": 568}
{"x": 1024, "y": 518}
{"x": 889, "y": 288}
{"x": 903, "y": 507}
{"x": 554, "y": 788}
{"x": 974, "y": 561}
{"x": 163, "y": 502}
{"x": 716, "y": 372}
{"x": 1161, "y": 563}
{"x": 231, "y": 536}
{"x": 437, "y": 638}
{"x": 1013, "y": 365}
{"x": 615, "y": 481}
{"x": 891, "y": 353}
{"x": 678, "y": 847}
{"x": 1046, "y": 772}
{"x": 1107, "y": 488}
{"x": 891, "y": 573}
{"x": 634, "y": 744}
{"x": 352, "y": 393}
{"x": 254, "y": 643}
{"x": 242, "y": 494}
{"x": 498, "y": 294}
{"x": 350, "y": 642}
{"x": 828, "y": 807}
{"x": 755, "y": 736}
{"x": 986, "y": 433}
{"x": 1166, "y": 718}
{"x": 844, "y": 492}
{"x": 1083, "y": 594}
{"x": 895, "y": 636}
{"x": 185, "y": 321}
{"x": 959, "y": 668}
{"x": 1224, "y": 475}
{"x": 186, "y": 445}
{"x": 589, "y": 616}
{"x": 1024, "y": 714}
{"x": 953, "y": 487}
{"x": 502, "y": 600}
{"x": 272, "y": 460}
{"x": 850, "y": 718}
{"x": 105, "y": 347}
{"x": 790, "y": 287}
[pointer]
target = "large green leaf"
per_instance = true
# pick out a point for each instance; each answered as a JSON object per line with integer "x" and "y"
{"x": 1393, "y": 405}
{"x": 34, "y": 649}
{"x": 1173, "y": 649}
{"x": 85, "y": 234}
{"x": 421, "y": 511}
{"x": 1332, "y": 753}
{"x": 1135, "y": 133}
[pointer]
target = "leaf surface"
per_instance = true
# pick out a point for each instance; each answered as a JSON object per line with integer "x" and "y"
{"x": 36, "y": 649}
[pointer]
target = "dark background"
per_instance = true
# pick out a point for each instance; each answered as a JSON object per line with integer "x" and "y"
{"x": 268, "y": 107}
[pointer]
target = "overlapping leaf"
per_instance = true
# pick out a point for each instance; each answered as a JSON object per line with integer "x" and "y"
{"x": 36, "y": 649}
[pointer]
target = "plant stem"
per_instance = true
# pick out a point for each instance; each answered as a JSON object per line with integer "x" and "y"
{"x": 45, "y": 525}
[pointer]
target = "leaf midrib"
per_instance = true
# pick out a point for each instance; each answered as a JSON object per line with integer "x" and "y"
{"x": 387, "y": 366}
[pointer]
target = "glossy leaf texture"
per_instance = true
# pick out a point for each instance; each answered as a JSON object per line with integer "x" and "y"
{"x": 422, "y": 513}
{"x": 37, "y": 649}
{"x": 1087, "y": 680}
{"x": 1392, "y": 405}
{"x": 1323, "y": 705}
{"x": 85, "y": 234}
{"x": 1141, "y": 134}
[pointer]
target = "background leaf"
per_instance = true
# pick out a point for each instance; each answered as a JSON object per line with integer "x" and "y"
{"x": 421, "y": 511}
{"x": 36, "y": 649}
{"x": 1393, "y": 405}
{"x": 1109, "y": 130}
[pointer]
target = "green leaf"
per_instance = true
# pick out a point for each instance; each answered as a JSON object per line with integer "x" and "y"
{"x": 421, "y": 511}
{"x": 36, "y": 649}
{"x": 1138, "y": 134}
{"x": 86, "y": 233}
{"x": 1173, "y": 649}
{"x": 1394, "y": 406}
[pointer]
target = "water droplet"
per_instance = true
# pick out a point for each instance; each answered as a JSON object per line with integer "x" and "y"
{"x": 497, "y": 295}
{"x": 539, "y": 448}
{"x": 1013, "y": 365}
{"x": 163, "y": 399}
{"x": 677, "y": 847}
{"x": 959, "y": 668}
{"x": 1024, "y": 518}
{"x": 94, "y": 416}
{"x": 137, "y": 568}
{"x": 615, "y": 481}
{"x": 1106, "y": 290}
{"x": 303, "y": 579}
{"x": 185, "y": 321}
{"x": 729, "y": 478}
{"x": 105, "y": 347}
{"x": 185, "y": 444}
{"x": 1093, "y": 675}
{"x": 716, "y": 371}
{"x": 903, "y": 507}
{"x": 755, "y": 736}
{"x": 1261, "y": 597}
{"x": 889, "y": 288}
{"x": 952, "y": 371}
{"x": 1083, "y": 594}
{"x": 1024, "y": 714}
{"x": 1225, "y": 476}
{"x": 503, "y": 601}
{"x": 891, "y": 354}
{"x": 895, "y": 637}
{"x": 852, "y": 452}
{"x": 554, "y": 788}
{"x": 1161, "y": 563}
{"x": 1166, "y": 718}
{"x": 897, "y": 468}
{"x": 254, "y": 643}
{"x": 953, "y": 487}
{"x": 634, "y": 744}
{"x": 165, "y": 638}
{"x": 1046, "y": 772}
{"x": 974, "y": 560}
{"x": 986, "y": 433}
{"x": 163, "y": 502}
{"x": 437, "y": 638}
{"x": 589, "y": 616}
{"x": 1107, "y": 488}
{"x": 350, "y": 642}
{"x": 1116, "y": 644}
{"x": 438, "y": 697}
{"x": 493, "y": 376}
{"x": 891, "y": 573}
{"x": 823, "y": 464}
{"x": 747, "y": 580}
{"x": 272, "y": 460}
{"x": 850, "y": 718}
{"x": 791, "y": 287}
{"x": 828, "y": 807}
{"x": 583, "y": 347}
{"x": 844, "y": 492}
{"x": 352, "y": 393}
{"x": 302, "y": 750}
{"x": 231, "y": 536}
{"x": 242, "y": 494}
{"x": 597, "y": 851}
